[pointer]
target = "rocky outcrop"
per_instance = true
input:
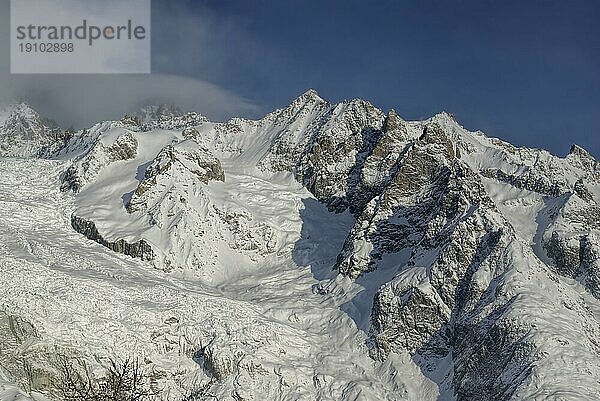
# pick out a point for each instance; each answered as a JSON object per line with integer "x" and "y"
{"x": 570, "y": 240}
{"x": 139, "y": 249}
{"x": 565, "y": 252}
{"x": 166, "y": 117}
{"x": 590, "y": 262}
{"x": 185, "y": 158}
{"x": 324, "y": 145}
{"x": 582, "y": 159}
{"x": 406, "y": 314}
{"x": 330, "y": 165}
{"x": 247, "y": 234}
{"x": 20, "y": 359}
{"x": 576, "y": 257}
{"x": 424, "y": 194}
{"x": 529, "y": 181}
{"x": 381, "y": 164}
{"x": 582, "y": 191}
{"x": 493, "y": 359}
{"x": 99, "y": 156}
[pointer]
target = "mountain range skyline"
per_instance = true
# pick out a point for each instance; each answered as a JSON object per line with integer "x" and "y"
{"x": 521, "y": 71}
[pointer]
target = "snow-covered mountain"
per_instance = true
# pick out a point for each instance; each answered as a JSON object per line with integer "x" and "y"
{"x": 325, "y": 251}
{"x": 24, "y": 133}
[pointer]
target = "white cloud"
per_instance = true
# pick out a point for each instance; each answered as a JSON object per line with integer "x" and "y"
{"x": 81, "y": 100}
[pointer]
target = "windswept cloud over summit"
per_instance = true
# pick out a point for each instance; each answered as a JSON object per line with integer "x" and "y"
{"x": 80, "y": 101}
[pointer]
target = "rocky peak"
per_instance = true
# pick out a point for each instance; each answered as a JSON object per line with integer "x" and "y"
{"x": 444, "y": 116}
{"x": 168, "y": 117}
{"x": 185, "y": 161}
{"x": 434, "y": 135}
{"x": 581, "y": 158}
{"x": 580, "y": 152}
{"x": 189, "y": 156}
{"x": 148, "y": 114}
{"x": 309, "y": 96}
{"x": 307, "y": 105}
{"x": 24, "y": 133}
{"x": 392, "y": 121}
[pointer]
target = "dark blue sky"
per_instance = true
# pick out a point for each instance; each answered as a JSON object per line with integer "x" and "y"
{"x": 525, "y": 71}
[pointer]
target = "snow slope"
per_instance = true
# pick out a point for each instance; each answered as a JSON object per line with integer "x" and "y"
{"x": 265, "y": 332}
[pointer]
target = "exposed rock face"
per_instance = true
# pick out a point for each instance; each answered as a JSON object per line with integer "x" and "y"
{"x": 576, "y": 257}
{"x": 439, "y": 292}
{"x": 382, "y": 162}
{"x": 423, "y": 190}
{"x": 164, "y": 117}
{"x": 191, "y": 133}
{"x": 324, "y": 145}
{"x": 493, "y": 359}
{"x": 329, "y": 166}
{"x": 582, "y": 191}
{"x": 570, "y": 239}
{"x": 581, "y": 158}
{"x": 139, "y": 249}
{"x": 565, "y": 253}
{"x": 529, "y": 181}
{"x": 294, "y": 127}
{"x": 590, "y": 262}
{"x": 422, "y": 196}
{"x": 405, "y": 314}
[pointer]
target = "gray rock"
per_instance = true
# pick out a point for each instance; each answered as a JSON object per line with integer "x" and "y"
{"x": 139, "y": 249}
{"x": 100, "y": 155}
